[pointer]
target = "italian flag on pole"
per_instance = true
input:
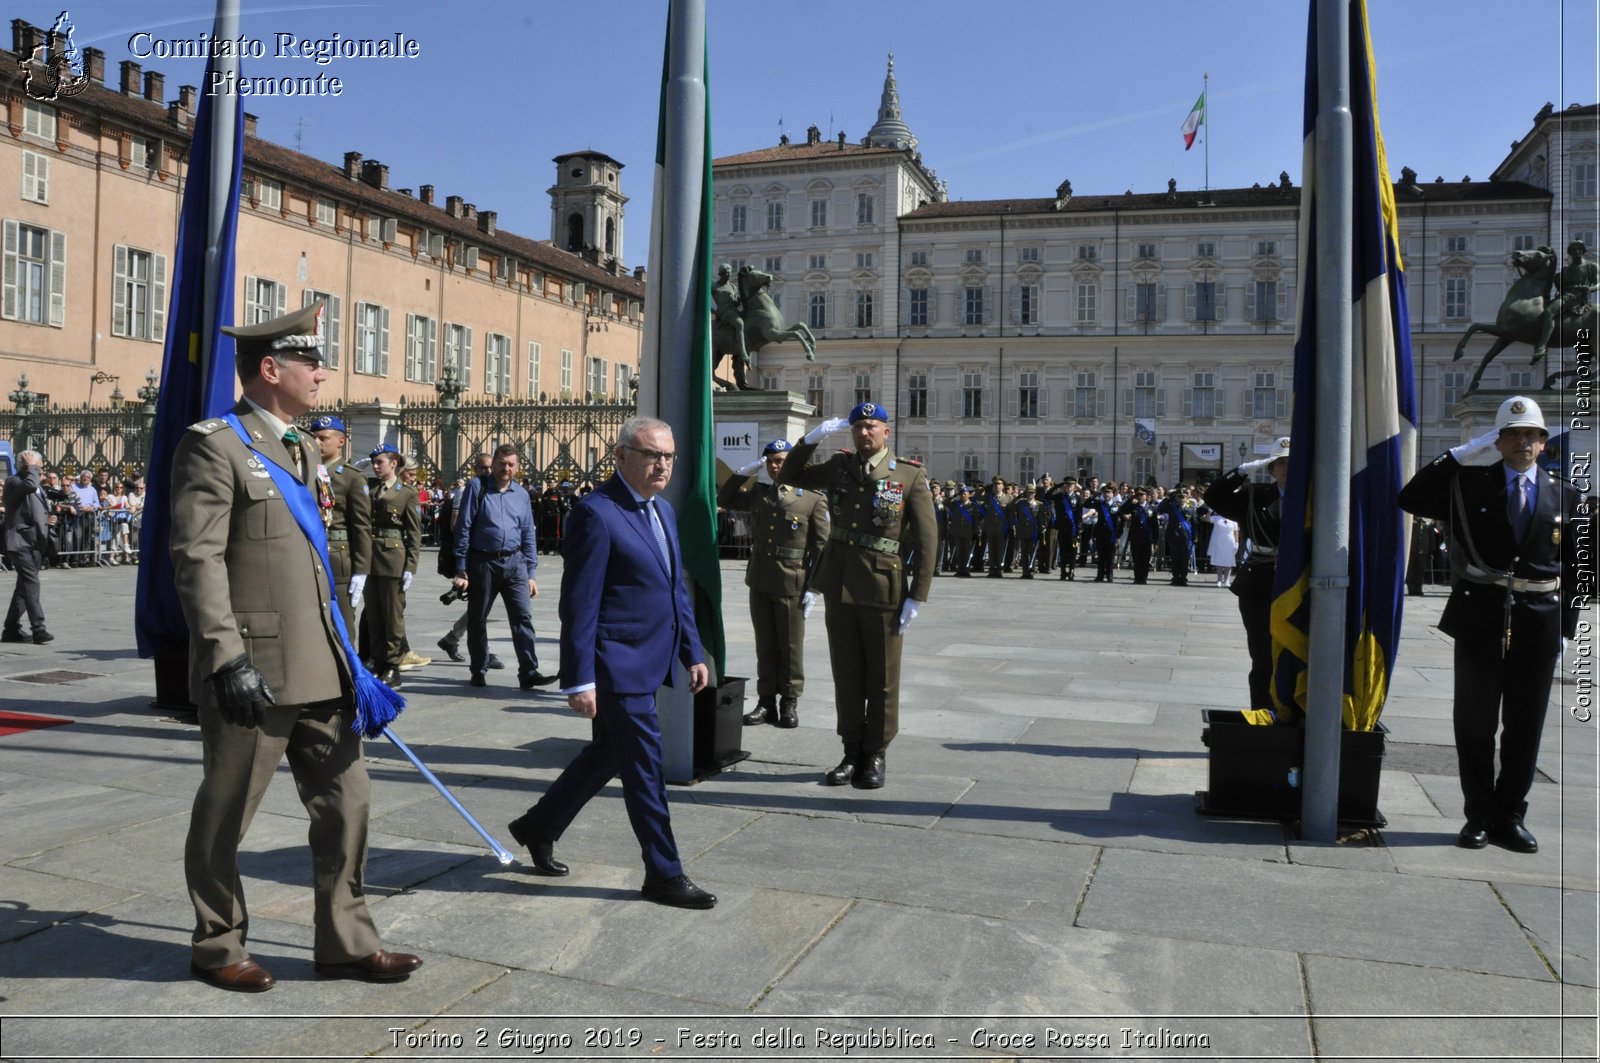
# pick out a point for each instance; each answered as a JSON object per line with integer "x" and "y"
{"x": 1192, "y": 124}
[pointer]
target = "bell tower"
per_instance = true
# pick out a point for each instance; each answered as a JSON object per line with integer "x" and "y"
{"x": 586, "y": 206}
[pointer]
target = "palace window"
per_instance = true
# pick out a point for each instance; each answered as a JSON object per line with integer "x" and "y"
{"x": 138, "y": 294}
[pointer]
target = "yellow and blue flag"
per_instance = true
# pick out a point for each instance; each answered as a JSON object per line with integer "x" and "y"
{"x": 1383, "y": 415}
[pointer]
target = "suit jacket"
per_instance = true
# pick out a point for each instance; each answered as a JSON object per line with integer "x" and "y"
{"x": 397, "y": 510}
{"x": 247, "y": 577}
{"x": 27, "y": 518}
{"x": 1548, "y": 551}
{"x": 624, "y": 616}
{"x": 789, "y": 521}
{"x": 892, "y": 506}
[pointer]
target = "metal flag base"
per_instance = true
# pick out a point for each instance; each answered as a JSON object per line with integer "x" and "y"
{"x": 500, "y": 851}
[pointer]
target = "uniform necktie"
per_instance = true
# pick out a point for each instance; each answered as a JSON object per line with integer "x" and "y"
{"x": 291, "y": 440}
{"x": 660, "y": 532}
{"x": 1521, "y": 508}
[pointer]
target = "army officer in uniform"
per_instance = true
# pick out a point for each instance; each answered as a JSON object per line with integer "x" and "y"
{"x": 791, "y": 524}
{"x": 267, "y": 666}
{"x": 396, "y": 548}
{"x": 883, "y": 524}
{"x": 347, "y": 511}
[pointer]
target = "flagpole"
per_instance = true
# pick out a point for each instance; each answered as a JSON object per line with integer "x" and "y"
{"x": 224, "y": 127}
{"x": 1205, "y": 94}
{"x": 1334, "y": 225}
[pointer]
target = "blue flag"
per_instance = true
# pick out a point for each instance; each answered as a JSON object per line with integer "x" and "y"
{"x": 197, "y": 377}
{"x": 1383, "y": 413}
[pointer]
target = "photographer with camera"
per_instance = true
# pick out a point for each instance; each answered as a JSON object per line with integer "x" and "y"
{"x": 62, "y": 504}
{"x": 496, "y": 555}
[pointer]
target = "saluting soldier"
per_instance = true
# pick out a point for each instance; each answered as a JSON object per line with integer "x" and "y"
{"x": 790, "y": 526}
{"x": 396, "y": 549}
{"x": 1135, "y": 515}
{"x": 1103, "y": 528}
{"x": 1046, "y": 554}
{"x": 1517, "y": 591}
{"x": 882, "y": 527}
{"x": 347, "y": 511}
{"x": 995, "y": 531}
{"x": 962, "y": 521}
{"x": 1027, "y": 529}
{"x": 941, "y": 519}
{"x": 1064, "y": 519}
{"x": 269, "y": 666}
{"x": 1179, "y": 534}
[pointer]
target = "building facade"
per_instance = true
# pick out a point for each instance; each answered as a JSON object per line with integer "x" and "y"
{"x": 1137, "y": 336}
{"x": 93, "y": 184}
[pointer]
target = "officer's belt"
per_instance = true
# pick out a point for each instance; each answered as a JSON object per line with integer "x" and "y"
{"x": 1474, "y": 574}
{"x": 785, "y": 553}
{"x": 338, "y": 535}
{"x": 389, "y": 533}
{"x": 871, "y": 542}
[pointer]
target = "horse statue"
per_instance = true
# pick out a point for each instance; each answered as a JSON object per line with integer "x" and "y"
{"x": 1521, "y": 313}
{"x": 761, "y": 322}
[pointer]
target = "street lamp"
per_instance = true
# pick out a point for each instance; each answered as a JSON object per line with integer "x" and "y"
{"x": 116, "y": 399}
{"x": 101, "y": 377}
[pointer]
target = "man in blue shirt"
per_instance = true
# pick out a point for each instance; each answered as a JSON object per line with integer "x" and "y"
{"x": 497, "y": 554}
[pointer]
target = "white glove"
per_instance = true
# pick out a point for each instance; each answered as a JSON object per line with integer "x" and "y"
{"x": 1252, "y": 466}
{"x": 358, "y": 583}
{"x": 908, "y": 613}
{"x": 827, "y": 428}
{"x": 1479, "y": 451}
{"x": 751, "y": 469}
{"x": 405, "y": 581}
{"x": 808, "y": 602}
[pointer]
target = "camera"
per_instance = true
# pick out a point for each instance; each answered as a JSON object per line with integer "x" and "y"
{"x": 453, "y": 595}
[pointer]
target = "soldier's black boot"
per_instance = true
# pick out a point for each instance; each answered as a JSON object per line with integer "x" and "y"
{"x": 846, "y": 770}
{"x": 874, "y": 768}
{"x": 788, "y": 712}
{"x": 764, "y": 712}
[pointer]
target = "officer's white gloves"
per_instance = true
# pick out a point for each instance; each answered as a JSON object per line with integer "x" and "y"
{"x": 1252, "y": 466}
{"x": 751, "y": 469}
{"x": 808, "y": 602}
{"x": 908, "y": 613}
{"x": 405, "y": 581}
{"x": 826, "y": 428}
{"x": 1478, "y": 451}
{"x": 358, "y": 583}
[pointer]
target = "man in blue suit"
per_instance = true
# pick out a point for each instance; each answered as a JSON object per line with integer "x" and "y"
{"x": 625, "y": 616}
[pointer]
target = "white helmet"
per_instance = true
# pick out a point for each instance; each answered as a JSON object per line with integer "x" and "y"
{"x": 1280, "y": 449}
{"x": 1520, "y": 411}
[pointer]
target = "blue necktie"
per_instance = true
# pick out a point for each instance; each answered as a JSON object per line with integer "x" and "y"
{"x": 1521, "y": 508}
{"x": 661, "y": 533}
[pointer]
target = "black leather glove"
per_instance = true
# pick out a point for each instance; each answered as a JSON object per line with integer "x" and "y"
{"x": 242, "y": 692}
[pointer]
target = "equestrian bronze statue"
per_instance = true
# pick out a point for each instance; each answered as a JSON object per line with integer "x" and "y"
{"x": 1531, "y": 315}
{"x": 745, "y": 319}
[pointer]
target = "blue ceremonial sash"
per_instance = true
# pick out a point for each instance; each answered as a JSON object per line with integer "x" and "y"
{"x": 376, "y": 703}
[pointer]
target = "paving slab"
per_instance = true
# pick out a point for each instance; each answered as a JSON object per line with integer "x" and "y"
{"x": 1426, "y": 846}
{"x": 36, "y": 902}
{"x": 1561, "y": 923}
{"x": 914, "y": 800}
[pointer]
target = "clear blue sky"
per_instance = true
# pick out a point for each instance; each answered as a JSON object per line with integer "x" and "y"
{"x": 1007, "y": 97}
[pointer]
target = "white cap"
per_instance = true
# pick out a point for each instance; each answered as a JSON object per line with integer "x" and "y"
{"x": 1280, "y": 449}
{"x": 1519, "y": 411}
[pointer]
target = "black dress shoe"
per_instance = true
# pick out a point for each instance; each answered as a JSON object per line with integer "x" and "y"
{"x": 540, "y": 851}
{"x": 845, "y": 771}
{"x": 478, "y": 680}
{"x": 762, "y": 713}
{"x": 381, "y": 966}
{"x": 788, "y": 712}
{"x": 537, "y": 679}
{"x": 494, "y": 664}
{"x": 872, "y": 772}
{"x": 391, "y": 678}
{"x": 1514, "y": 836}
{"x": 1473, "y": 836}
{"x": 41, "y": 636}
{"x": 12, "y": 635}
{"x": 246, "y": 976}
{"x": 677, "y": 893}
{"x": 452, "y": 649}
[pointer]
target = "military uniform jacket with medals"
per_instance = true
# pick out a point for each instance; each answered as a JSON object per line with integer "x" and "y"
{"x": 791, "y": 526}
{"x": 880, "y": 521}
{"x": 396, "y": 529}
{"x": 349, "y": 519}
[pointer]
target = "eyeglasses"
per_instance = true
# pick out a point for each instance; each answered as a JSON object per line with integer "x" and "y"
{"x": 654, "y": 457}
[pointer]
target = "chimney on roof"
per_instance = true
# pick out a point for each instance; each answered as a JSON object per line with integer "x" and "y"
{"x": 249, "y": 124}
{"x": 452, "y": 206}
{"x": 187, "y": 94}
{"x": 352, "y": 164}
{"x": 783, "y": 140}
{"x": 375, "y": 174}
{"x": 469, "y": 212}
{"x": 425, "y": 194}
{"x": 638, "y": 274}
{"x": 94, "y": 65}
{"x": 841, "y": 140}
{"x": 130, "y": 77}
{"x": 813, "y": 135}
{"x": 487, "y": 220}
{"x": 25, "y": 37}
{"x": 155, "y": 86}
{"x": 405, "y": 192}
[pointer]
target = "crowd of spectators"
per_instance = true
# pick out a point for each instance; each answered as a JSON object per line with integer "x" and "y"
{"x": 96, "y": 518}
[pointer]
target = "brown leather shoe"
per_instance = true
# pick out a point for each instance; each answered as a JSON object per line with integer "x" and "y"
{"x": 381, "y": 966}
{"x": 246, "y": 976}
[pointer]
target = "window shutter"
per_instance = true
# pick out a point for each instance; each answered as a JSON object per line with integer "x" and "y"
{"x": 1283, "y": 403}
{"x": 1044, "y": 401}
{"x": 383, "y": 341}
{"x": 466, "y": 355}
{"x": 249, "y": 297}
{"x": 1161, "y": 302}
{"x": 1127, "y": 402}
{"x": 1250, "y": 303}
{"x": 1132, "y": 308}
{"x": 29, "y": 180}
{"x": 988, "y": 402}
{"x": 1189, "y": 300}
{"x": 933, "y": 402}
{"x": 1161, "y": 402}
{"x": 158, "y": 298}
{"x": 1220, "y": 310}
{"x": 58, "y": 278}
{"x": 1283, "y": 301}
{"x": 1013, "y": 397}
{"x": 119, "y": 290}
{"x": 905, "y": 306}
{"x": 9, "y": 302}
{"x": 905, "y": 404}
{"x": 281, "y": 291}
{"x": 1016, "y": 304}
{"x": 331, "y": 334}
{"x": 433, "y": 349}
{"x": 1100, "y": 401}
{"x": 1188, "y": 401}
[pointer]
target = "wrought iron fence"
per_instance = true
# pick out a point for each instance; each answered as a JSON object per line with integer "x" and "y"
{"x": 105, "y": 437}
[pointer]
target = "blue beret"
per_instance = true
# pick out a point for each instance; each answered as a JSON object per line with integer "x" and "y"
{"x": 327, "y": 421}
{"x": 869, "y": 410}
{"x": 384, "y": 448}
{"x": 777, "y": 446}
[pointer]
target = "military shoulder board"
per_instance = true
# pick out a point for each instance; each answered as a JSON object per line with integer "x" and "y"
{"x": 205, "y": 428}
{"x": 912, "y": 462}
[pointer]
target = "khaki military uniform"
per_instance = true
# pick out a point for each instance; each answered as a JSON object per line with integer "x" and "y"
{"x": 250, "y": 582}
{"x": 790, "y": 528}
{"x": 882, "y": 524}
{"x": 396, "y": 548}
{"x": 349, "y": 534}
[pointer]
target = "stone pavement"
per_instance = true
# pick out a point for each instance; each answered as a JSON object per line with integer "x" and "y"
{"x": 1033, "y": 883}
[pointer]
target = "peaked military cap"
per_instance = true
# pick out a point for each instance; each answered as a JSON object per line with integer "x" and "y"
{"x": 869, "y": 411}
{"x": 300, "y": 332}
